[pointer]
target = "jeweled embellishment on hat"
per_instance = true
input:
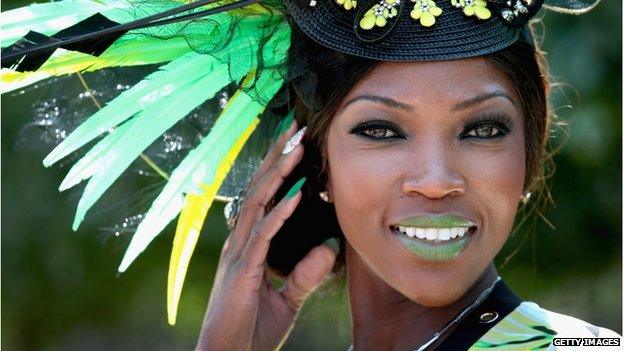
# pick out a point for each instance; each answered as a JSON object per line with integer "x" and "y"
{"x": 426, "y": 11}
{"x": 347, "y": 4}
{"x": 515, "y": 9}
{"x": 476, "y": 8}
{"x": 515, "y": 12}
{"x": 379, "y": 14}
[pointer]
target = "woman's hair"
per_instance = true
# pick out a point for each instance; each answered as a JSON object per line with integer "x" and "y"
{"x": 317, "y": 98}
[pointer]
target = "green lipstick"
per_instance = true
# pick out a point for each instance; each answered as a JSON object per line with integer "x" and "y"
{"x": 435, "y": 238}
{"x": 435, "y": 252}
{"x": 441, "y": 221}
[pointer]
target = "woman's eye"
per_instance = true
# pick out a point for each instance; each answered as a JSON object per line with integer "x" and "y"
{"x": 377, "y": 130}
{"x": 488, "y": 127}
{"x": 484, "y": 131}
{"x": 379, "y": 133}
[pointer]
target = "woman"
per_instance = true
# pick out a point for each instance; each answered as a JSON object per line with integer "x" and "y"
{"x": 426, "y": 128}
{"x": 425, "y": 164}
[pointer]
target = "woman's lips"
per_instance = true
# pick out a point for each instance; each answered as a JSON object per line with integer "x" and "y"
{"x": 435, "y": 237}
{"x": 435, "y": 221}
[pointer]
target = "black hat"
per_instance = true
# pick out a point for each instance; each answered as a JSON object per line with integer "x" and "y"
{"x": 422, "y": 30}
{"x": 454, "y": 34}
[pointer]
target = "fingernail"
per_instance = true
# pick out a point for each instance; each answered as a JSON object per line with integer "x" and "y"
{"x": 295, "y": 188}
{"x": 333, "y": 244}
{"x": 284, "y": 125}
{"x": 295, "y": 140}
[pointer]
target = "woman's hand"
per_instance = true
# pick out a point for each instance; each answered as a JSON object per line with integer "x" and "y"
{"x": 244, "y": 311}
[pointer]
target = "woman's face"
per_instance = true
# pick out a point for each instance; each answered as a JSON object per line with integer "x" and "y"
{"x": 431, "y": 150}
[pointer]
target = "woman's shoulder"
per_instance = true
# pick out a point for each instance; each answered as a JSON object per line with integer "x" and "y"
{"x": 530, "y": 326}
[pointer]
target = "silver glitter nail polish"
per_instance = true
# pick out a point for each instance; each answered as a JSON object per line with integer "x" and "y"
{"x": 292, "y": 143}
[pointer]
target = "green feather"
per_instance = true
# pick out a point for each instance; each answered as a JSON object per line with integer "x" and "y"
{"x": 148, "y": 46}
{"x": 49, "y": 18}
{"x": 91, "y": 163}
{"x": 148, "y": 125}
{"x": 157, "y": 85}
{"x": 200, "y": 165}
{"x": 139, "y": 47}
{"x": 130, "y": 50}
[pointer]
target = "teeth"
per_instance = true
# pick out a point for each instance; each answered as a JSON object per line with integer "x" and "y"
{"x": 431, "y": 233}
{"x": 445, "y": 234}
{"x": 420, "y": 233}
{"x": 455, "y": 232}
{"x": 434, "y": 233}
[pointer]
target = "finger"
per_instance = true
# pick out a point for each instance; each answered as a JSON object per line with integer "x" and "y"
{"x": 257, "y": 246}
{"x": 307, "y": 275}
{"x": 273, "y": 155}
{"x": 264, "y": 191}
{"x": 253, "y": 208}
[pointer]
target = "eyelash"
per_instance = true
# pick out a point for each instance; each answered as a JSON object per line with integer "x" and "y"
{"x": 501, "y": 123}
{"x": 361, "y": 127}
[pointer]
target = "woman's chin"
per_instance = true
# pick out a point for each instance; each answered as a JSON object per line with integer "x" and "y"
{"x": 429, "y": 299}
{"x": 426, "y": 291}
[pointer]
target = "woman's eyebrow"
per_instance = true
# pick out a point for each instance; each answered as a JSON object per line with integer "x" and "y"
{"x": 380, "y": 99}
{"x": 406, "y": 107}
{"x": 480, "y": 98}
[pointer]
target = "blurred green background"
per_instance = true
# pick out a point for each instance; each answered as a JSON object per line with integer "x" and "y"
{"x": 60, "y": 290}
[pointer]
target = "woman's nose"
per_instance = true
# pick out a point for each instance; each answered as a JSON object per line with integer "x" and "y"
{"x": 434, "y": 174}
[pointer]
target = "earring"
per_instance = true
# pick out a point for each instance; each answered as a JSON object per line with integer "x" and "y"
{"x": 525, "y": 197}
{"x": 324, "y": 195}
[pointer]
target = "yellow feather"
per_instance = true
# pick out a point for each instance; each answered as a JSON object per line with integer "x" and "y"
{"x": 190, "y": 223}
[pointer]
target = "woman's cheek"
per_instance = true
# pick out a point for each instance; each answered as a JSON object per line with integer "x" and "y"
{"x": 360, "y": 182}
{"x": 358, "y": 176}
{"x": 495, "y": 180}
